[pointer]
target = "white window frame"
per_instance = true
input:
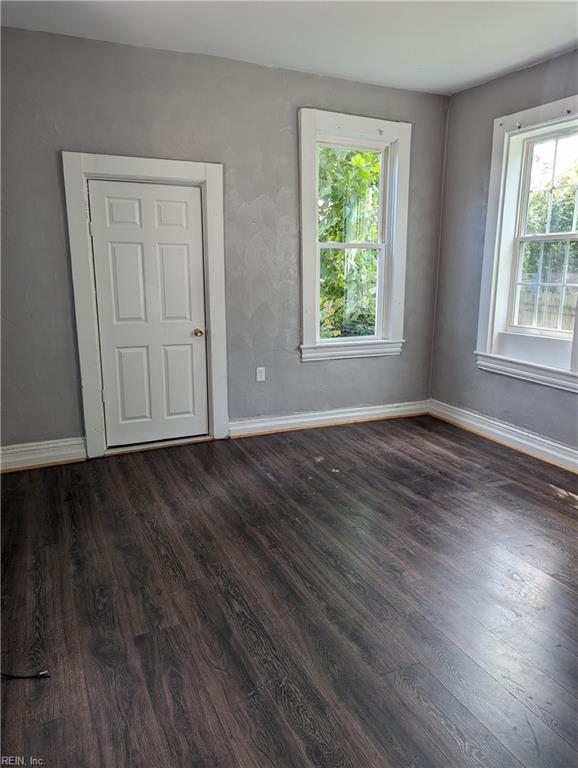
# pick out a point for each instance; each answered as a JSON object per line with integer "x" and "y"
{"x": 543, "y": 357}
{"x": 79, "y": 168}
{"x": 530, "y": 140}
{"x": 393, "y": 141}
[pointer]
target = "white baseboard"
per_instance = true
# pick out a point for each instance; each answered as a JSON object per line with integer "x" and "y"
{"x": 27, "y": 455}
{"x": 520, "y": 439}
{"x": 247, "y": 427}
{"x": 563, "y": 455}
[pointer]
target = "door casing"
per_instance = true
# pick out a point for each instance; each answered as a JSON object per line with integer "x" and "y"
{"x": 79, "y": 168}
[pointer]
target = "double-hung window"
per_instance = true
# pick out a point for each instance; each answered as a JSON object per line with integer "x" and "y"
{"x": 546, "y": 268}
{"x": 354, "y": 191}
{"x": 530, "y": 275}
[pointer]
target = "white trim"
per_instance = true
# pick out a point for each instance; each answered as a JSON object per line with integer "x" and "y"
{"x": 337, "y": 351}
{"x": 215, "y": 302}
{"x": 393, "y": 139}
{"x": 27, "y": 455}
{"x": 562, "y": 455}
{"x": 49, "y": 452}
{"x": 78, "y": 168}
{"x": 118, "y": 450}
{"x": 520, "y": 369}
{"x": 574, "y": 349}
{"x": 265, "y": 424}
{"x": 507, "y": 155}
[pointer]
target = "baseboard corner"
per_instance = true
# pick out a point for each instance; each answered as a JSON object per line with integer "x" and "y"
{"x": 530, "y": 443}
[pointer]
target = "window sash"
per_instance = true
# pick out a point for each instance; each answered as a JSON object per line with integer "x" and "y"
{"x": 521, "y": 238}
{"x": 380, "y": 291}
{"x": 379, "y": 245}
{"x": 554, "y": 236}
{"x": 563, "y": 284}
{"x": 562, "y": 287}
{"x": 359, "y": 146}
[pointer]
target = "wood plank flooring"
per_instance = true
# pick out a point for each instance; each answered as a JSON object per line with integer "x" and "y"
{"x": 397, "y": 594}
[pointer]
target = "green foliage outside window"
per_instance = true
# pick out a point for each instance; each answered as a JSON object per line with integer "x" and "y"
{"x": 348, "y": 200}
{"x": 561, "y": 217}
{"x": 548, "y": 272}
{"x": 554, "y": 177}
{"x": 563, "y": 200}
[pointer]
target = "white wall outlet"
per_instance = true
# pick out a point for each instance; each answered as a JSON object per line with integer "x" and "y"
{"x": 260, "y": 374}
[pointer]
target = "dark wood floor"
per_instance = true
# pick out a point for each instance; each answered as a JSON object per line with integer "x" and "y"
{"x": 397, "y": 593}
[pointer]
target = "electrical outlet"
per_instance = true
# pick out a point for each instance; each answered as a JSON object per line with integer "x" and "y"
{"x": 260, "y": 374}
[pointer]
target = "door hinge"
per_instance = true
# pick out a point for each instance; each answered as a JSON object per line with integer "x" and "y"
{"x": 90, "y": 228}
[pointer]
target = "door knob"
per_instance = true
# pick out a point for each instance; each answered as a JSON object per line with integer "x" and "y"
{"x": 198, "y": 331}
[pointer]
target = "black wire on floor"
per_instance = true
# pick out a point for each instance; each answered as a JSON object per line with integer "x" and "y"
{"x": 36, "y": 676}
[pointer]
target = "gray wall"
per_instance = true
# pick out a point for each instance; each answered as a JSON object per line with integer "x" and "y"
{"x": 455, "y": 376}
{"x": 66, "y": 93}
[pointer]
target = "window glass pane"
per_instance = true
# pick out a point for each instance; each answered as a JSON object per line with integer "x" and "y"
{"x": 530, "y": 262}
{"x": 552, "y": 193}
{"x": 348, "y": 195}
{"x": 542, "y": 164}
{"x": 563, "y": 201}
{"x": 549, "y": 298}
{"x": 547, "y": 270}
{"x": 569, "y": 308}
{"x": 566, "y": 161}
{"x": 553, "y": 262}
{"x": 537, "y": 215}
{"x": 525, "y": 303}
{"x": 348, "y": 292}
{"x": 572, "y": 274}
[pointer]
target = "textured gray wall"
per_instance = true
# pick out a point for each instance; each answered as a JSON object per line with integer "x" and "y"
{"x": 66, "y": 93}
{"x": 455, "y": 376}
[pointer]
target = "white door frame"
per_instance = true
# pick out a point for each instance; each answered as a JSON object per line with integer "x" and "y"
{"x": 79, "y": 167}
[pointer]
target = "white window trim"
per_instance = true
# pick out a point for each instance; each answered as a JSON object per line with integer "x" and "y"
{"x": 521, "y": 369}
{"x": 386, "y": 136}
{"x": 79, "y": 167}
{"x": 493, "y": 319}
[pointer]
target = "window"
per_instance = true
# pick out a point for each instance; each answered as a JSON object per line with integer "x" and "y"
{"x": 350, "y": 241}
{"x": 546, "y": 269}
{"x": 354, "y": 187}
{"x": 530, "y": 273}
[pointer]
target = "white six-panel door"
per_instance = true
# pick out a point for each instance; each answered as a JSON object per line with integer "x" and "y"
{"x": 148, "y": 259}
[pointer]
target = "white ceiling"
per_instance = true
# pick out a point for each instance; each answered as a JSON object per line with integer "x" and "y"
{"x": 441, "y": 47}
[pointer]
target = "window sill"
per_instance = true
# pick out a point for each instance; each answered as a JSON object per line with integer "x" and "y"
{"x": 341, "y": 350}
{"x": 520, "y": 369}
{"x": 549, "y": 351}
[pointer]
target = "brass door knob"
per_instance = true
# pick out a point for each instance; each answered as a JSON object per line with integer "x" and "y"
{"x": 198, "y": 331}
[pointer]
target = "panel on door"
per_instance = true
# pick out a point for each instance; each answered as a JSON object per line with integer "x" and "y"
{"x": 148, "y": 259}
